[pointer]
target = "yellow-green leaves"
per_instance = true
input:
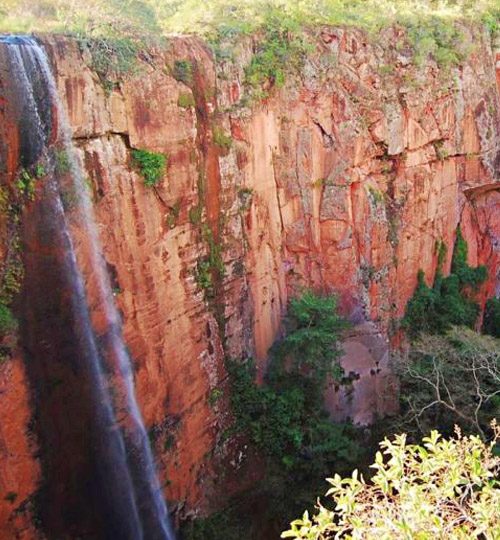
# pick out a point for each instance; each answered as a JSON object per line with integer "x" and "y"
{"x": 445, "y": 489}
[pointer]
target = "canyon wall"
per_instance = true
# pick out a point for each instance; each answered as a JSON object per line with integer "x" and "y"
{"x": 343, "y": 180}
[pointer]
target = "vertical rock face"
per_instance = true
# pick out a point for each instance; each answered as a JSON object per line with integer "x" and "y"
{"x": 344, "y": 180}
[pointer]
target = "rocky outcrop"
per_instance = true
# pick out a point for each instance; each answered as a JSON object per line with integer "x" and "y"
{"x": 343, "y": 180}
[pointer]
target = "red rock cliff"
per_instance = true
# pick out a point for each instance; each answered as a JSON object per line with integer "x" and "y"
{"x": 344, "y": 180}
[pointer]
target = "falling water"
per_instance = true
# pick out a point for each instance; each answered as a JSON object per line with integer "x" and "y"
{"x": 99, "y": 463}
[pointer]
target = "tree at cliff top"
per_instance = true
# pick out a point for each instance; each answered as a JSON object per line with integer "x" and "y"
{"x": 442, "y": 489}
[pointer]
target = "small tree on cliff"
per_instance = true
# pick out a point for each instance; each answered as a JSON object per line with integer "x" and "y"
{"x": 443, "y": 489}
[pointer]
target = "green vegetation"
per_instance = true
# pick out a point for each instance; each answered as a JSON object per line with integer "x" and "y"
{"x": 25, "y": 185}
{"x": 114, "y": 30}
{"x": 448, "y": 302}
{"x": 444, "y": 488}
{"x": 310, "y": 346}
{"x": 12, "y": 268}
{"x": 183, "y": 71}
{"x": 112, "y": 58}
{"x": 215, "y": 260}
{"x": 8, "y": 322}
{"x": 214, "y": 396}
{"x": 209, "y": 267}
{"x": 450, "y": 379}
{"x": 63, "y": 164}
{"x": 94, "y": 18}
{"x": 203, "y": 278}
{"x": 39, "y": 170}
{"x": 376, "y": 196}
{"x": 245, "y": 196}
{"x": 195, "y": 214}
{"x": 151, "y": 165}
{"x": 186, "y": 100}
{"x": 284, "y": 417}
{"x": 284, "y": 420}
{"x": 282, "y": 49}
{"x": 221, "y": 140}
{"x": 441, "y": 153}
{"x": 447, "y": 44}
{"x": 491, "y": 324}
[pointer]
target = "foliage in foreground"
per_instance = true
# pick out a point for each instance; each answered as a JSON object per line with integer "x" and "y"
{"x": 443, "y": 489}
{"x": 450, "y": 379}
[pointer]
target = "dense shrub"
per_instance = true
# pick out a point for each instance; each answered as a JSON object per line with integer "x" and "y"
{"x": 491, "y": 324}
{"x": 223, "y": 141}
{"x": 151, "y": 165}
{"x": 448, "y": 302}
{"x": 284, "y": 417}
{"x": 442, "y": 489}
{"x": 8, "y": 322}
{"x": 310, "y": 344}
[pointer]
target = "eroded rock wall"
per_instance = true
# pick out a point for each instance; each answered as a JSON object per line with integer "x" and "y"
{"x": 343, "y": 180}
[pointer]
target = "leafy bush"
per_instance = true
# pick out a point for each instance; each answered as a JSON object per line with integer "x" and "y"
{"x": 223, "y": 141}
{"x": 282, "y": 49}
{"x": 203, "y": 277}
{"x": 466, "y": 274}
{"x": 8, "y": 322}
{"x": 491, "y": 324}
{"x": 449, "y": 301}
{"x": 25, "y": 185}
{"x": 313, "y": 327}
{"x": 443, "y": 488}
{"x": 443, "y": 41}
{"x": 151, "y": 165}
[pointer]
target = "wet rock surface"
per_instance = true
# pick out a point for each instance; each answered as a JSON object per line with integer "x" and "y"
{"x": 343, "y": 180}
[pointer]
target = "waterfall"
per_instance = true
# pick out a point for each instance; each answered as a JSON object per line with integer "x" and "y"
{"x": 98, "y": 469}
